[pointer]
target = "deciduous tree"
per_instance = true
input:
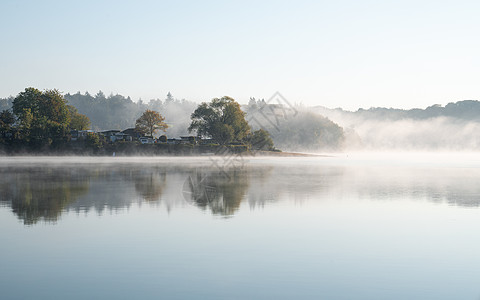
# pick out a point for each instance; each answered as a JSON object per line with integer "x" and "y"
{"x": 260, "y": 140}
{"x": 78, "y": 121}
{"x": 222, "y": 119}
{"x": 149, "y": 122}
{"x": 44, "y": 114}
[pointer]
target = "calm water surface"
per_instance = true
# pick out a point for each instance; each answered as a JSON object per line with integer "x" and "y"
{"x": 341, "y": 227}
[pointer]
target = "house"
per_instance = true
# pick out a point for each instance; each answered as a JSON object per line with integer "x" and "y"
{"x": 120, "y": 136}
{"x": 147, "y": 140}
{"x": 115, "y": 135}
{"x": 110, "y": 134}
{"x": 133, "y": 133}
{"x": 79, "y": 134}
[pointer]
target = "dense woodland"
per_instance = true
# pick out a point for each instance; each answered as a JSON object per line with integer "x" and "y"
{"x": 119, "y": 112}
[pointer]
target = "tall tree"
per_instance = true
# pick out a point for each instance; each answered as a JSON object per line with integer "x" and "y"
{"x": 44, "y": 114}
{"x": 149, "y": 122}
{"x": 222, "y": 119}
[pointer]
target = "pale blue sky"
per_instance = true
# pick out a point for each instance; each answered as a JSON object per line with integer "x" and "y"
{"x": 347, "y": 54}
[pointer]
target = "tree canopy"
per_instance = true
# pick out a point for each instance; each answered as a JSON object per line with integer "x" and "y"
{"x": 78, "y": 121}
{"x": 119, "y": 112}
{"x": 39, "y": 119}
{"x": 44, "y": 117}
{"x": 221, "y": 119}
{"x": 149, "y": 122}
{"x": 7, "y": 121}
{"x": 260, "y": 140}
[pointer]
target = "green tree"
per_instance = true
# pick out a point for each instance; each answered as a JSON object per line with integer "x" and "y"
{"x": 7, "y": 120}
{"x": 260, "y": 140}
{"x": 92, "y": 141}
{"x": 25, "y": 125}
{"x": 26, "y": 102}
{"x": 78, "y": 121}
{"x": 44, "y": 114}
{"x": 222, "y": 119}
{"x": 149, "y": 122}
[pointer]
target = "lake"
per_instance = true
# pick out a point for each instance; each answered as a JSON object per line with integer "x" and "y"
{"x": 356, "y": 226}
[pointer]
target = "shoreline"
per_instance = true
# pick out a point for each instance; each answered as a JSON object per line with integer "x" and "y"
{"x": 278, "y": 154}
{"x": 252, "y": 154}
{"x": 286, "y": 154}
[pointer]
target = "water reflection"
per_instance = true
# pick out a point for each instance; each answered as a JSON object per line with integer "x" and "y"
{"x": 149, "y": 184}
{"x": 41, "y": 192}
{"x": 220, "y": 191}
{"x": 36, "y": 193}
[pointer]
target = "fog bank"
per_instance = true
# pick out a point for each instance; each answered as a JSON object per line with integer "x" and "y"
{"x": 371, "y": 131}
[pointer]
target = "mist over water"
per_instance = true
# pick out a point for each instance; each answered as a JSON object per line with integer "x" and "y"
{"x": 42, "y": 189}
{"x": 347, "y": 226}
{"x": 443, "y": 134}
{"x": 377, "y": 131}
{"x": 454, "y": 127}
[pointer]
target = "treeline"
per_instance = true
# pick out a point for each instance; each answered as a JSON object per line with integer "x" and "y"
{"x": 453, "y": 127}
{"x": 119, "y": 112}
{"x": 295, "y": 128}
{"x": 468, "y": 110}
{"x": 39, "y": 120}
{"x": 6, "y": 103}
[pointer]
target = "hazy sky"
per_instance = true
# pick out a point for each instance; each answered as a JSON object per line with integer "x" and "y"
{"x": 347, "y": 54}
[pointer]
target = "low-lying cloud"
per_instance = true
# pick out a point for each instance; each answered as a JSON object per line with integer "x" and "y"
{"x": 435, "y": 133}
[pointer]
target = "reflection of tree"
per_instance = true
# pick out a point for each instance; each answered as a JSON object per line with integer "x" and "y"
{"x": 115, "y": 187}
{"x": 197, "y": 188}
{"x": 150, "y": 184}
{"x": 221, "y": 192}
{"x": 264, "y": 188}
{"x": 41, "y": 194}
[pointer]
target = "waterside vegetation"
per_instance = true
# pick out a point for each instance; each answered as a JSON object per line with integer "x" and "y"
{"x": 43, "y": 122}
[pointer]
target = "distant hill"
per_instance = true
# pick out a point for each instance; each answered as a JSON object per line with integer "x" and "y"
{"x": 455, "y": 126}
{"x": 465, "y": 110}
{"x": 295, "y": 128}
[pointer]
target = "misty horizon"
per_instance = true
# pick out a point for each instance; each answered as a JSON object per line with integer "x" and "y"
{"x": 244, "y": 101}
{"x": 452, "y": 127}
